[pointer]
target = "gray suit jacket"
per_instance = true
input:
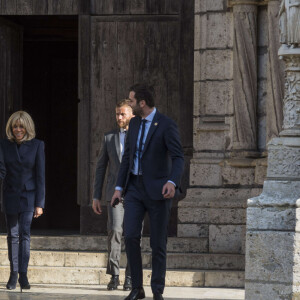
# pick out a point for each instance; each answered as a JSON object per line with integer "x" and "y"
{"x": 109, "y": 160}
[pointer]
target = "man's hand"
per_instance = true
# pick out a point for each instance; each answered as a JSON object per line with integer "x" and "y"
{"x": 38, "y": 211}
{"x": 168, "y": 190}
{"x": 117, "y": 194}
{"x": 97, "y": 207}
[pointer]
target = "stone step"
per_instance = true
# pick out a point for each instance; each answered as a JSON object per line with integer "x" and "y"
{"x": 99, "y": 243}
{"x": 95, "y": 276}
{"x": 99, "y": 260}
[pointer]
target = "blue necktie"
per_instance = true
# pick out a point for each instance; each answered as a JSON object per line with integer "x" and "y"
{"x": 141, "y": 145}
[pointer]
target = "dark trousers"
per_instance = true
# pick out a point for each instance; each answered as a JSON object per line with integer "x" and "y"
{"x": 18, "y": 240}
{"x": 115, "y": 230}
{"x": 137, "y": 203}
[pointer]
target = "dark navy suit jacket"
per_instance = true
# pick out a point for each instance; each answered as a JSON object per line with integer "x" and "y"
{"x": 24, "y": 181}
{"x": 162, "y": 157}
{"x": 2, "y": 165}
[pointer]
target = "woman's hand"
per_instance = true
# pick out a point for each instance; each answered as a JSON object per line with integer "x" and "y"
{"x": 38, "y": 211}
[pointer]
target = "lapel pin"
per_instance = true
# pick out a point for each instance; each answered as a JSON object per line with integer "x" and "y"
{"x": 155, "y": 124}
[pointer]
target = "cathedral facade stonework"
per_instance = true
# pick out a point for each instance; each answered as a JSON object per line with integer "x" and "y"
{"x": 238, "y": 92}
{"x": 243, "y": 99}
{"x": 244, "y": 178}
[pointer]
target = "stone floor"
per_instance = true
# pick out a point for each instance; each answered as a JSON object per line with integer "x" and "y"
{"x": 57, "y": 292}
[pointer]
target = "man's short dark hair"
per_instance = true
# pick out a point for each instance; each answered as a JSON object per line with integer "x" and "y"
{"x": 143, "y": 92}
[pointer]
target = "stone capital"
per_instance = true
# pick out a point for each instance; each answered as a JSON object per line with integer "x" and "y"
{"x": 291, "y": 108}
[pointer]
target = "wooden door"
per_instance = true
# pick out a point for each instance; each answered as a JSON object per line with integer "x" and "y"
{"x": 116, "y": 51}
{"x": 122, "y": 52}
{"x": 126, "y": 52}
{"x": 11, "y": 41}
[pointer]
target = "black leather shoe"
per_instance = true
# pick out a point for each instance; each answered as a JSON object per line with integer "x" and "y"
{"x": 23, "y": 281}
{"x": 135, "y": 294}
{"x": 127, "y": 284}
{"x": 158, "y": 296}
{"x": 12, "y": 281}
{"x": 114, "y": 282}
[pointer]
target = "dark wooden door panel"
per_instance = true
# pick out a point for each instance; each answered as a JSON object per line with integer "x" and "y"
{"x": 124, "y": 53}
{"x": 126, "y": 57}
{"x": 9, "y": 7}
{"x": 42, "y": 7}
{"x": 132, "y": 41}
{"x": 103, "y": 84}
{"x": 110, "y": 7}
{"x": 84, "y": 83}
{"x": 24, "y": 7}
{"x": 64, "y": 7}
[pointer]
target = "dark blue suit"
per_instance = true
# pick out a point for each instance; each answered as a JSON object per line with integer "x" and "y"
{"x": 2, "y": 165}
{"x": 162, "y": 160}
{"x": 23, "y": 190}
{"x": 25, "y": 176}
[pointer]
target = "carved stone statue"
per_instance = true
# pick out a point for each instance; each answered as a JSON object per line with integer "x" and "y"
{"x": 290, "y": 22}
{"x": 283, "y": 23}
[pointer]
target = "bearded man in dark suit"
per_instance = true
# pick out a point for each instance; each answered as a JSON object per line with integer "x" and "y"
{"x": 149, "y": 175}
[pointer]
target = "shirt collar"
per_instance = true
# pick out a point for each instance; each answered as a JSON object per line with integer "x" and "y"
{"x": 151, "y": 116}
{"x": 122, "y": 130}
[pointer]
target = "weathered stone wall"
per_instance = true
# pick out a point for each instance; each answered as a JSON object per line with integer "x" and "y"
{"x": 227, "y": 168}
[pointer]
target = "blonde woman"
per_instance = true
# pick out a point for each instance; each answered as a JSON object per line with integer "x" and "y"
{"x": 23, "y": 159}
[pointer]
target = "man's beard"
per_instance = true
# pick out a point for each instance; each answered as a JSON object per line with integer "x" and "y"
{"x": 123, "y": 124}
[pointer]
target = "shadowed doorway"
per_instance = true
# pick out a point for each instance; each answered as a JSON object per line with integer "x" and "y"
{"x": 50, "y": 72}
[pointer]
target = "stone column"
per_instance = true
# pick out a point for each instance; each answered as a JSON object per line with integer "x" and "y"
{"x": 275, "y": 89}
{"x": 244, "y": 127}
{"x": 273, "y": 239}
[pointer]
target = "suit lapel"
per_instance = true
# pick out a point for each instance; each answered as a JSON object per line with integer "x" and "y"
{"x": 117, "y": 144}
{"x": 24, "y": 147}
{"x": 152, "y": 129}
{"x": 14, "y": 147}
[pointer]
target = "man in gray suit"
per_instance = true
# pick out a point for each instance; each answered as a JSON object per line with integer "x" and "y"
{"x": 110, "y": 157}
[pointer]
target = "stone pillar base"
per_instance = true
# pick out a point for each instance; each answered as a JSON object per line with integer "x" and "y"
{"x": 273, "y": 237}
{"x": 269, "y": 291}
{"x": 273, "y": 243}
